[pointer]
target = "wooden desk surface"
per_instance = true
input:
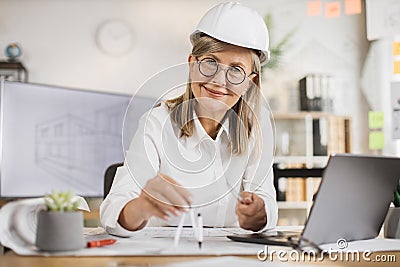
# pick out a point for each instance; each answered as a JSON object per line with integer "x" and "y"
{"x": 11, "y": 259}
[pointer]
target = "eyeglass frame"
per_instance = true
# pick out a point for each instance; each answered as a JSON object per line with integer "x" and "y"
{"x": 226, "y": 71}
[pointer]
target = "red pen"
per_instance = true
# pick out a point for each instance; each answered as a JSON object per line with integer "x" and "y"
{"x": 100, "y": 243}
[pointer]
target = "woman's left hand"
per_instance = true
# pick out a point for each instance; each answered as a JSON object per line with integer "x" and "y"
{"x": 251, "y": 211}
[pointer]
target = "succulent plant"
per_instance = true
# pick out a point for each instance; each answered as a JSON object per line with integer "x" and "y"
{"x": 396, "y": 197}
{"x": 61, "y": 201}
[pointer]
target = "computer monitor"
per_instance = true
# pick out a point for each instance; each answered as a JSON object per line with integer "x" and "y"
{"x": 55, "y": 138}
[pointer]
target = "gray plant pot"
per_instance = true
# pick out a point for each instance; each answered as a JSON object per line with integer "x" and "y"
{"x": 392, "y": 223}
{"x": 57, "y": 231}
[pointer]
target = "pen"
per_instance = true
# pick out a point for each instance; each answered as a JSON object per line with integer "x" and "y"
{"x": 194, "y": 224}
{"x": 200, "y": 229}
{"x": 100, "y": 243}
{"x": 179, "y": 230}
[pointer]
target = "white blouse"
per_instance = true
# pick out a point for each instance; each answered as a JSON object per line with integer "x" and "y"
{"x": 203, "y": 165}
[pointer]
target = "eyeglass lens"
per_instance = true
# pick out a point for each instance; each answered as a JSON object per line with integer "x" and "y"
{"x": 209, "y": 67}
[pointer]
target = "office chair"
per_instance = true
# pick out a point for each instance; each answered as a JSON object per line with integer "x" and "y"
{"x": 109, "y": 177}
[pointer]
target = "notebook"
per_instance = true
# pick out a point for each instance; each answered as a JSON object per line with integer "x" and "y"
{"x": 351, "y": 203}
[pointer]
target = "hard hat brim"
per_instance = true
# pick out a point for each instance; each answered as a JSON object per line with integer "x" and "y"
{"x": 264, "y": 55}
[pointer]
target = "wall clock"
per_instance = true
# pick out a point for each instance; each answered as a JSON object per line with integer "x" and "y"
{"x": 114, "y": 37}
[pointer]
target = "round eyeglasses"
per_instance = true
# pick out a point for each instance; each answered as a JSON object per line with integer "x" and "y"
{"x": 234, "y": 74}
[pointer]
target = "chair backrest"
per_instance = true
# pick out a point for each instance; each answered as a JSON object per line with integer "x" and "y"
{"x": 109, "y": 177}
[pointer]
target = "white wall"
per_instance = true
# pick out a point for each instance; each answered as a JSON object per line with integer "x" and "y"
{"x": 383, "y": 20}
{"x": 58, "y": 38}
{"x": 376, "y": 82}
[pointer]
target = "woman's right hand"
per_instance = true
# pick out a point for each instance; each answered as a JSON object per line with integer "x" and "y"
{"x": 160, "y": 197}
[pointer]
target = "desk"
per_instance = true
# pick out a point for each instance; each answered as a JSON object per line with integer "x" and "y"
{"x": 11, "y": 259}
{"x": 14, "y": 68}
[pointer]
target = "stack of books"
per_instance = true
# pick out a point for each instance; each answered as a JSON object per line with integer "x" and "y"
{"x": 298, "y": 189}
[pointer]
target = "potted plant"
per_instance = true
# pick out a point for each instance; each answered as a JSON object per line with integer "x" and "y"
{"x": 273, "y": 74}
{"x": 392, "y": 221}
{"x": 277, "y": 48}
{"x": 60, "y": 226}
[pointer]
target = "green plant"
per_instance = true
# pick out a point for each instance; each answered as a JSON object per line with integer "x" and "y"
{"x": 396, "y": 197}
{"x": 276, "y": 49}
{"x": 61, "y": 201}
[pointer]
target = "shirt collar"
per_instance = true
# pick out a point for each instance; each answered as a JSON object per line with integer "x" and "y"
{"x": 200, "y": 133}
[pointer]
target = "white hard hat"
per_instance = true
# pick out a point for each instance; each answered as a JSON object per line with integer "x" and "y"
{"x": 236, "y": 24}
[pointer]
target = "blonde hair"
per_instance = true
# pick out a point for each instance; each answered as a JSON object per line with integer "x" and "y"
{"x": 242, "y": 116}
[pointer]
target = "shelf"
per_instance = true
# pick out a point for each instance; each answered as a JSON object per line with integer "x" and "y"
{"x": 299, "y": 115}
{"x": 314, "y": 161}
{"x": 302, "y": 114}
{"x": 293, "y": 205}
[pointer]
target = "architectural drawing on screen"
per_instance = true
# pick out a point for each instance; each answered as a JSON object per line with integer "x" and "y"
{"x": 74, "y": 145}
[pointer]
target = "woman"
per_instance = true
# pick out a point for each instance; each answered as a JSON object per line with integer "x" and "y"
{"x": 210, "y": 148}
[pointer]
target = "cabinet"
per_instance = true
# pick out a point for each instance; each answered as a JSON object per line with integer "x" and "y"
{"x": 13, "y": 70}
{"x": 304, "y": 140}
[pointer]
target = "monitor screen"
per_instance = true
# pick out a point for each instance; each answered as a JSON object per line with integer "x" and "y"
{"x": 55, "y": 138}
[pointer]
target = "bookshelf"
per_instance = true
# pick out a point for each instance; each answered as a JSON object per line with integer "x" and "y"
{"x": 310, "y": 137}
{"x": 304, "y": 141}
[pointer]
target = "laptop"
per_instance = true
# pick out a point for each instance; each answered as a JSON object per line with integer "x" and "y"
{"x": 352, "y": 201}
